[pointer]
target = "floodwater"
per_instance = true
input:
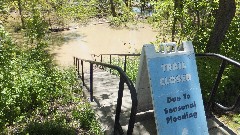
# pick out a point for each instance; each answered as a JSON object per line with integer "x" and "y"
{"x": 100, "y": 38}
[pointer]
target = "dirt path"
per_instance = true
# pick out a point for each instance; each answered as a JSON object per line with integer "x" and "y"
{"x": 99, "y": 38}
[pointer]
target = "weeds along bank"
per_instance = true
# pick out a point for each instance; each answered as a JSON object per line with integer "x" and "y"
{"x": 37, "y": 96}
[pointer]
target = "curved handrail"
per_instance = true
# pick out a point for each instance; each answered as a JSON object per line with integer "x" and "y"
{"x": 225, "y": 61}
{"x": 118, "y": 54}
{"x": 123, "y": 78}
{"x": 110, "y": 57}
{"x": 229, "y": 60}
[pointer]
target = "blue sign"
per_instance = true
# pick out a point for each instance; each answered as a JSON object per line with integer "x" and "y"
{"x": 176, "y": 95}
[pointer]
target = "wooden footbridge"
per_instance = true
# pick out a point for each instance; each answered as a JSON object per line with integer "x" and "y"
{"x": 115, "y": 101}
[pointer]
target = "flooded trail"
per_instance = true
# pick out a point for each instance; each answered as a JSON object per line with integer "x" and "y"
{"x": 99, "y": 38}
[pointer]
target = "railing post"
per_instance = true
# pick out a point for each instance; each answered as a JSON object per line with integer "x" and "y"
{"x": 74, "y": 62}
{"x": 78, "y": 68}
{"x": 101, "y": 60}
{"x": 216, "y": 84}
{"x": 117, "y": 125}
{"x": 125, "y": 63}
{"x": 91, "y": 82}
{"x": 95, "y": 57}
{"x": 110, "y": 62}
{"x": 82, "y": 73}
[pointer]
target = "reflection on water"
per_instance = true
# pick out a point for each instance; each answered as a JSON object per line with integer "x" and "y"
{"x": 147, "y": 12}
{"x": 136, "y": 9}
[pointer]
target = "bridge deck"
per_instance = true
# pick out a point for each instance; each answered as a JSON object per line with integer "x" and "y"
{"x": 105, "y": 91}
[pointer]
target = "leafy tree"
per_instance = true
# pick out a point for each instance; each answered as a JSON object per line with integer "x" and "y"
{"x": 213, "y": 26}
{"x": 57, "y": 13}
{"x": 3, "y": 11}
{"x": 226, "y": 12}
{"x": 178, "y": 8}
{"x": 20, "y": 8}
{"x": 113, "y": 10}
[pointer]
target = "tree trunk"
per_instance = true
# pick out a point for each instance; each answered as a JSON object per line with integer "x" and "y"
{"x": 174, "y": 28}
{"x": 20, "y": 12}
{"x": 178, "y": 6}
{"x": 113, "y": 8}
{"x": 143, "y": 4}
{"x": 130, "y": 4}
{"x": 126, "y": 3}
{"x": 198, "y": 19}
{"x": 226, "y": 12}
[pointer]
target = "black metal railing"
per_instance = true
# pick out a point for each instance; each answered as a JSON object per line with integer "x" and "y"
{"x": 211, "y": 101}
{"x": 110, "y": 57}
{"x": 224, "y": 62}
{"x": 124, "y": 79}
{"x": 79, "y": 64}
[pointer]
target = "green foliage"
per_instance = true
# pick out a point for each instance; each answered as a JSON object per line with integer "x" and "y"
{"x": 124, "y": 15}
{"x": 49, "y": 128}
{"x": 3, "y": 11}
{"x": 115, "y": 21}
{"x": 53, "y": 13}
{"x": 207, "y": 71}
{"x": 191, "y": 19}
{"x": 163, "y": 11}
{"x": 229, "y": 86}
{"x": 194, "y": 21}
{"x": 237, "y": 118}
{"x": 66, "y": 12}
{"x": 57, "y": 118}
{"x": 87, "y": 118}
{"x": 103, "y": 8}
{"x": 30, "y": 81}
{"x": 131, "y": 66}
{"x": 36, "y": 26}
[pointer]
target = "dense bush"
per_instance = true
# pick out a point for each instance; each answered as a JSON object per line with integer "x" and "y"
{"x": 34, "y": 89}
{"x": 28, "y": 79}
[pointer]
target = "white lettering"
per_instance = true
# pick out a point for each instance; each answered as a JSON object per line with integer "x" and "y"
{"x": 173, "y": 66}
{"x": 175, "y": 79}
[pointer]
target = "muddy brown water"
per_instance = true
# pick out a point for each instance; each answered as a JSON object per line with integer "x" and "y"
{"x": 100, "y": 38}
